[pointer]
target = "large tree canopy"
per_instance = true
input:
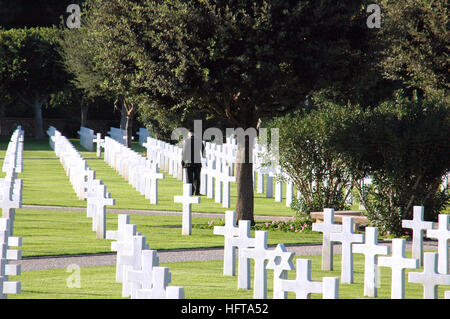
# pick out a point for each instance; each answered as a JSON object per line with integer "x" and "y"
{"x": 239, "y": 60}
{"x": 249, "y": 60}
{"x": 417, "y": 45}
{"x": 30, "y": 68}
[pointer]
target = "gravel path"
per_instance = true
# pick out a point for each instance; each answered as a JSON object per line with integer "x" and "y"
{"x": 176, "y": 255}
{"x": 147, "y": 212}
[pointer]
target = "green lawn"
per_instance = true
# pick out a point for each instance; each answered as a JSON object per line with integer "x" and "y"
{"x": 45, "y": 183}
{"x": 46, "y": 233}
{"x": 50, "y": 232}
{"x": 54, "y": 232}
{"x": 201, "y": 280}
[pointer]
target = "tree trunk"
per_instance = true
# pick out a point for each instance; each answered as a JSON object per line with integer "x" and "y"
{"x": 129, "y": 128}
{"x": 84, "y": 115}
{"x": 2, "y": 116}
{"x": 38, "y": 120}
{"x": 244, "y": 181}
{"x": 123, "y": 116}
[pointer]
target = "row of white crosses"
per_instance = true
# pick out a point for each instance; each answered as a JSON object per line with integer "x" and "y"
{"x": 142, "y": 173}
{"x": 87, "y": 137}
{"x": 120, "y": 135}
{"x": 435, "y": 267}
{"x": 10, "y": 199}
{"x": 137, "y": 267}
{"x": 279, "y": 260}
{"x": 216, "y": 173}
{"x": 217, "y": 169}
{"x": 83, "y": 181}
{"x": 143, "y": 133}
{"x": 266, "y": 178}
{"x": 166, "y": 155}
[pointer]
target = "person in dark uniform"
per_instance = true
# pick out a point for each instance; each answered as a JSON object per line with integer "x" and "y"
{"x": 193, "y": 150}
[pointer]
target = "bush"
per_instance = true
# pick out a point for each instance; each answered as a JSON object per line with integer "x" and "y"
{"x": 318, "y": 172}
{"x": 296, "y": 225}
{"x": 403, "y": 145}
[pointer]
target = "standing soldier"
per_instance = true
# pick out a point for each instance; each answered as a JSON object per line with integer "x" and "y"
{"x": 193, "y": 150}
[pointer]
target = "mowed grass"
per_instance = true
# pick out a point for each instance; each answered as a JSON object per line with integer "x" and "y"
{"x": 201, "y": 280}
{"x": 45, "y": 183}
{"x": 50, "y": 233}
{"x": 65, "y": 232}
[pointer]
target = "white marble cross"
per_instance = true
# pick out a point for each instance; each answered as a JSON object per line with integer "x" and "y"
{"x": 260, "y": 254}
{"x": 260, "y": 182}
{"x": 280, "y": 260}
{"x": 269, "y": 186}
{"x": 289, "y": 193}
{"x": 87, "y": 182}
{"x": 159, "y": 289}
{"x": 187, "y": 199}
{"x": 347, "y": 238}
{"x": 142, "y": 278}
{"x": 131, "y": 259}
{"x": 418, "y": 225}
{"x": 203, "y": 180}
{"x": 218, "y": 181}
{"x": 123, "y": 246}
{"x": 151, "y": 183}
{"x": 370, "y": 249}
{"x": 229, "y": 253}
{"x": 122, "y": 220}
{"x": 8, "y": 287}
{"x": 327, "y": 227}
{"x": 211, "y": 176}
{"x": 442, "y": 234}
{"x": 6, "y": 241}
{"x": 243, "y": 240}
{"x": 398, "y": 262}
{"x": 100, "y": 201}
{"x": 100, "y": 142}
{"x": 429, "y": 278}
{"x": 278, "y": 191}
{"x": 226, "y": 179}
{"x": 302, "y": 285}
{"x": 9, "y": 269}
{"x": 8, "y": 201}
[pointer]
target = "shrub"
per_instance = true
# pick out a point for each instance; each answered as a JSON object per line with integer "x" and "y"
{"x": 403, "y": 145}
{"x": 296, "y": 225}
{"x": 318, "y": 172}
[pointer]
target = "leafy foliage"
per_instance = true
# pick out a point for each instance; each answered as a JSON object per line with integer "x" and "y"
{"x": 246, "y": 60}
{"x": 319, "y": 173}
{"x": 416, "y": 40}
{"x": 296, "y": 225}
{"x": 30, "y": 67}
{"x": 403, "y": 145}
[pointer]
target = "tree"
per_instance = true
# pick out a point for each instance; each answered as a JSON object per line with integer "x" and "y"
{"x": 101, "y": 55}
{"x": 248, "y": 60}
{"x": 30, "y": 68}
{"x": 78, "y": 53}
{"x": 416, "y": 41}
